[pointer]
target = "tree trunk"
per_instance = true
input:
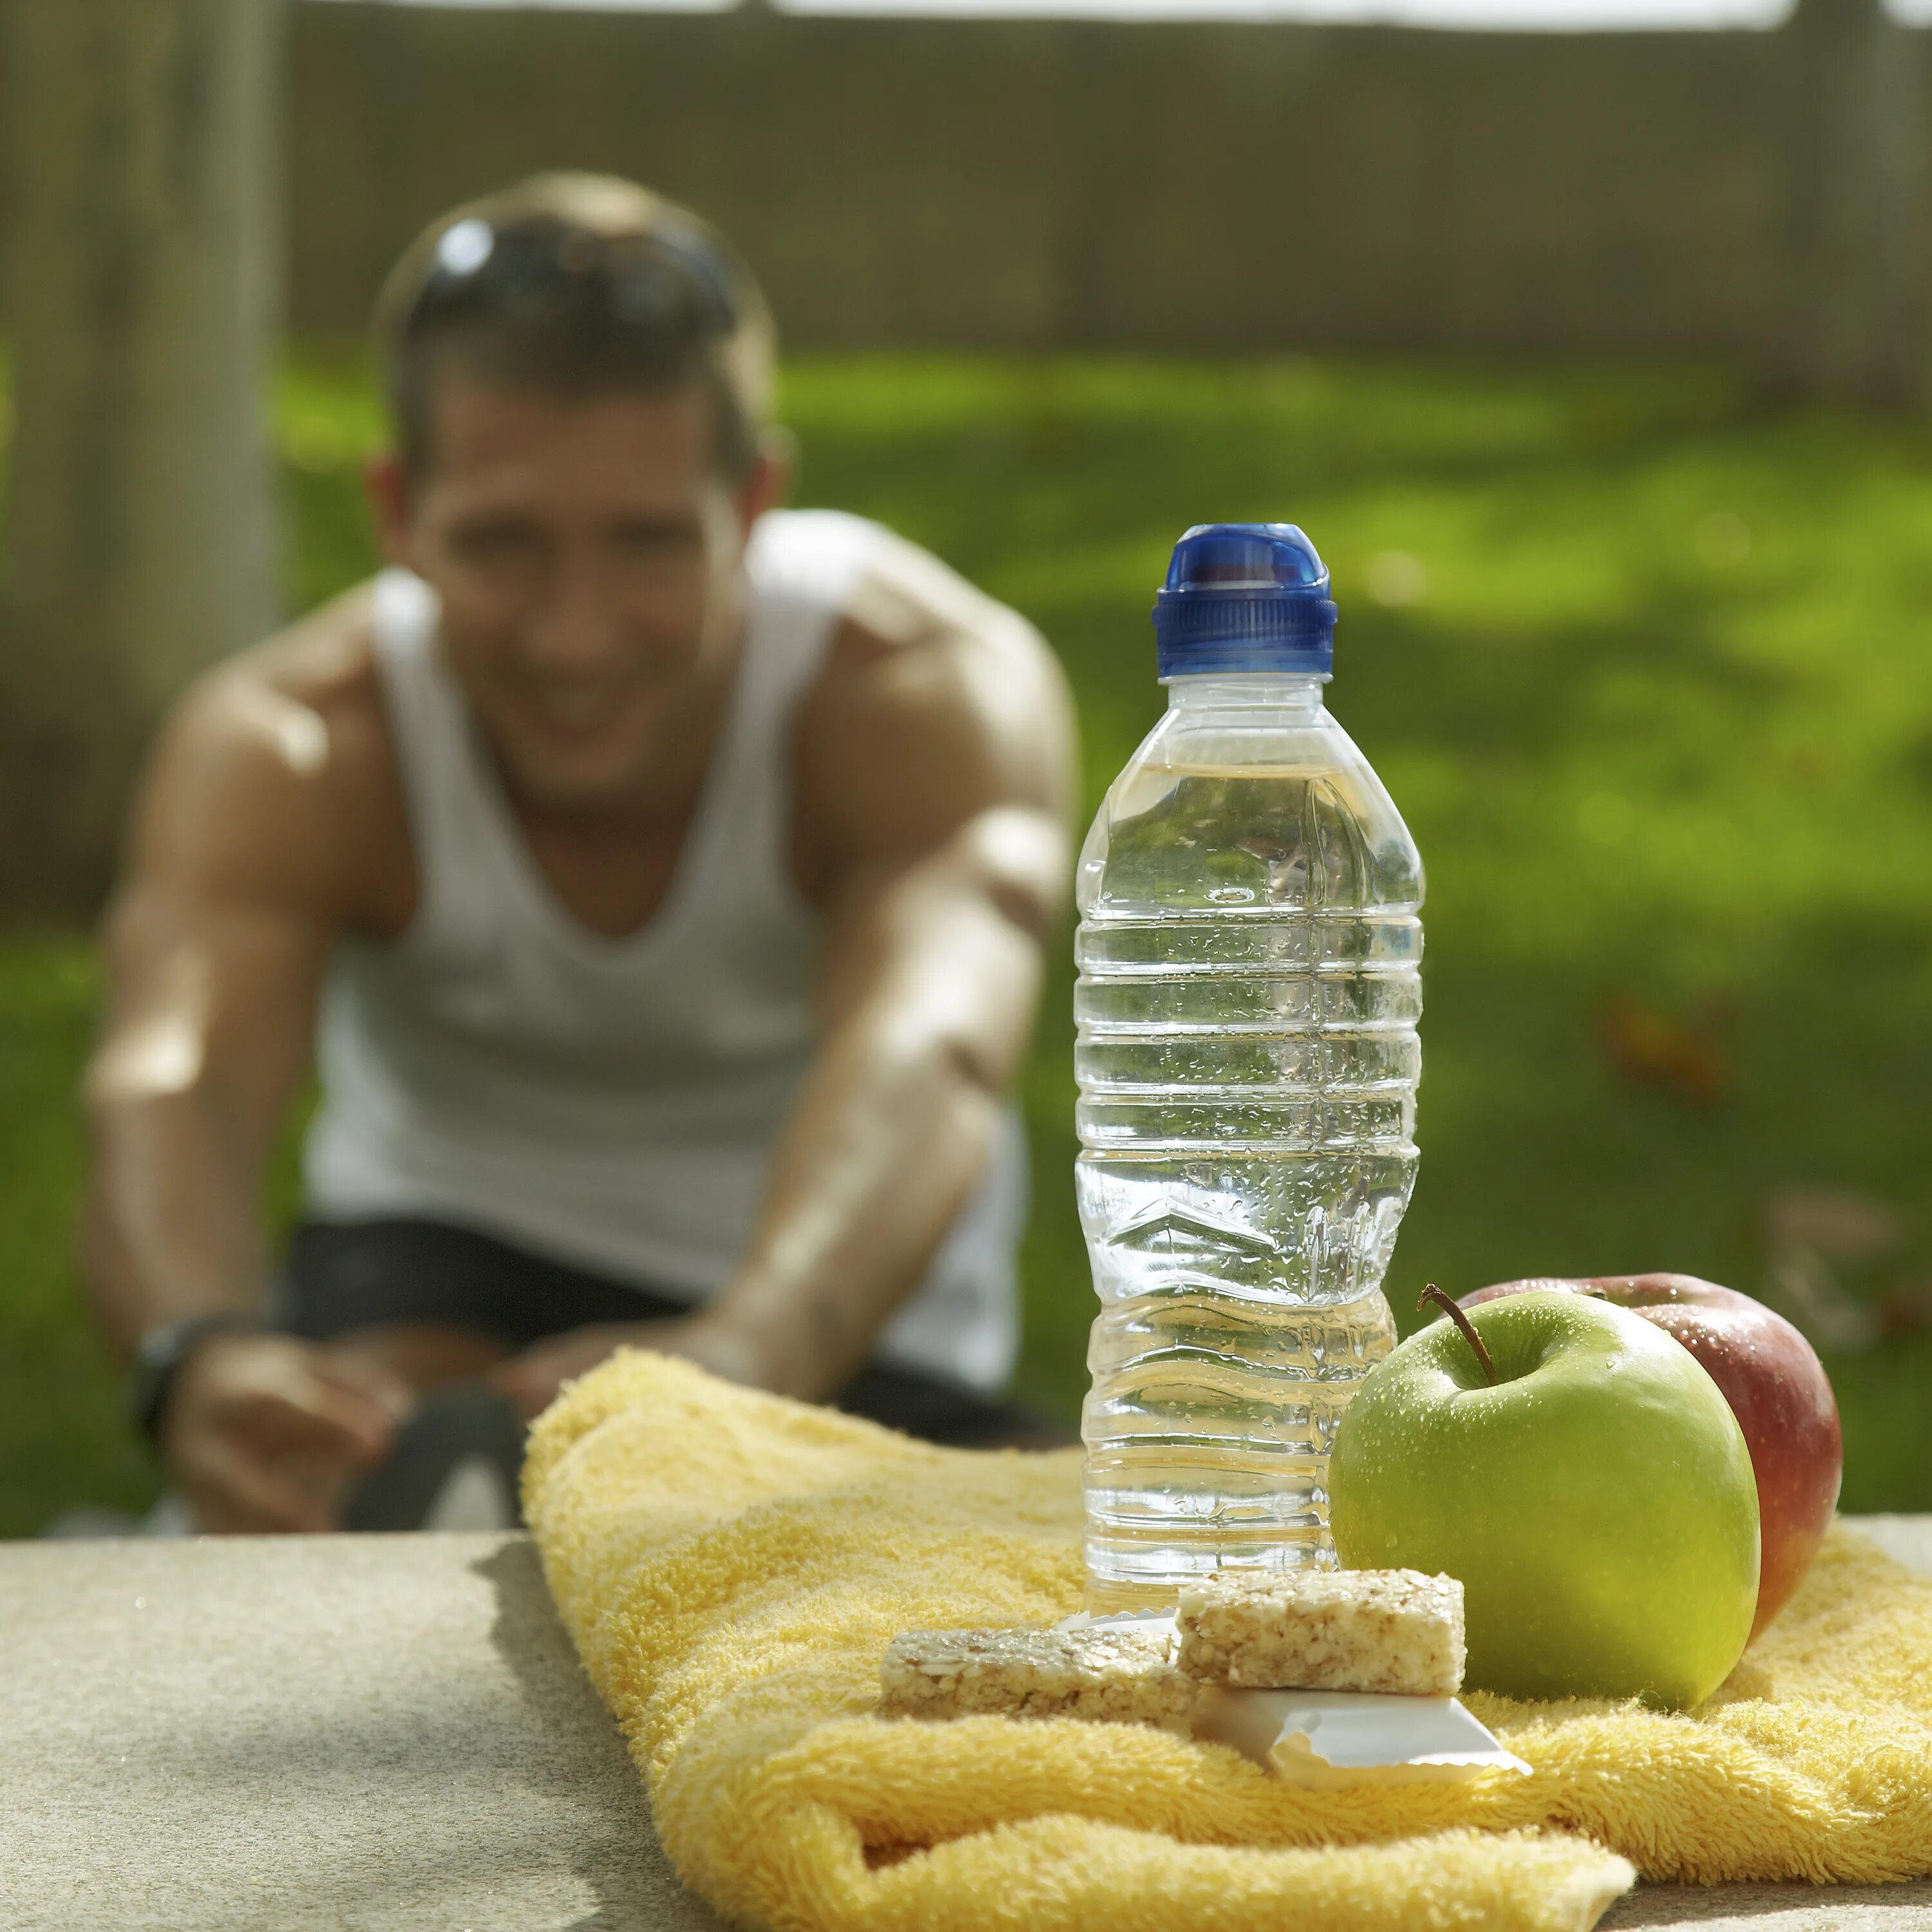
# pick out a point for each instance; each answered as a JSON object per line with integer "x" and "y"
{"x": 1856, "y": 312}
{"x": 144, "y": 274}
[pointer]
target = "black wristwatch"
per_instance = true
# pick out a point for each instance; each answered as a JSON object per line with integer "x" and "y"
{"x": 160, "y": 1353}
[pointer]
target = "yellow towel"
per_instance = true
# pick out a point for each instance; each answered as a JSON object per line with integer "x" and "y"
{"x": 732, "y": 1565}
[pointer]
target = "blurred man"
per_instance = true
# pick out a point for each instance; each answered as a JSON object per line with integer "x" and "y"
{"x": 659, "y": 878}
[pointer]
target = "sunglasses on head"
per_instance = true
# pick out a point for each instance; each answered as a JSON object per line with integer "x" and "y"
{"x": 670, "y": 279}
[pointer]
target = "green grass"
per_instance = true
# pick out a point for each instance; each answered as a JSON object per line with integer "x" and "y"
{"x": 1660, "y": 720}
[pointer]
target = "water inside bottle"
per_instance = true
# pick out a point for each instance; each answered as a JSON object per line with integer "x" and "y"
{"x": 1249, "y": 955}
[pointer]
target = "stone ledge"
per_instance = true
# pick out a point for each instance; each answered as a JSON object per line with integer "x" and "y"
{"x": 382, "y": 1734}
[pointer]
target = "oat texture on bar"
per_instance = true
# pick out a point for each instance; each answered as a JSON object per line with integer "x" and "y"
{"x": 1122, "y": 1676}
{"x": 1390, "y": 1630}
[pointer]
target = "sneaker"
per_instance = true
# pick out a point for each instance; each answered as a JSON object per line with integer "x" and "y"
{"x": 454, "y": 1466}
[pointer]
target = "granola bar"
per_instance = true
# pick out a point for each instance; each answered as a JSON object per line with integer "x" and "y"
{"x": 1389, "y": 1631}
{"x": 1112, "y": 1675}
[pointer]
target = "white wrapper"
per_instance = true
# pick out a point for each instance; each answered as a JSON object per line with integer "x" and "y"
{"x": 1338, "y": 1737}
{"x": 1152, "y": 1619}
{"x": 1351, "y": 1737}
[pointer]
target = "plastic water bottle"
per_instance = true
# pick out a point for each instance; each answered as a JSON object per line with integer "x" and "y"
{"x": 1249, "y": 956}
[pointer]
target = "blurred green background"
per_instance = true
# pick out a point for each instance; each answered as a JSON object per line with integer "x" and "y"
{"x": 1642, "y": 660}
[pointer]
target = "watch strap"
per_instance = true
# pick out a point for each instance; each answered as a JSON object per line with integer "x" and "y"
{"x": 162, "y": 1349}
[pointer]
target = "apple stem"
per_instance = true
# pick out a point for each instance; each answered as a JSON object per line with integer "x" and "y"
{"x": 1433, "y": 1294}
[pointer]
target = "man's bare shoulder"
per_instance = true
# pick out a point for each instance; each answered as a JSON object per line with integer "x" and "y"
{"x": 935, "y": 703}
{"x": 275, "y": 777}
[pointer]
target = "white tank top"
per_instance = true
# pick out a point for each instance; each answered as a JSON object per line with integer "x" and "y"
{"x": 612, "y": 1103}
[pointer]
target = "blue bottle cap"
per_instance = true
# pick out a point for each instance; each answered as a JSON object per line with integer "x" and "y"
{"x": 1244, "y": 597}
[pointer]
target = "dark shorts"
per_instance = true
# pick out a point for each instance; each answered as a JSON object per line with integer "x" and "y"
{"x": 341, "y": 1277}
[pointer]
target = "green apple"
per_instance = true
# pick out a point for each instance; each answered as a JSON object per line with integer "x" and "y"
{"x": 1596, "y": 1501}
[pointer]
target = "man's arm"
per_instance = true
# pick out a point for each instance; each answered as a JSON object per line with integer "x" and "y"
{"x": 233, "y": 887}
{"x": 935, "y": 778}
{"x": 934, "y": 773}
{"x": 932, "y": 976}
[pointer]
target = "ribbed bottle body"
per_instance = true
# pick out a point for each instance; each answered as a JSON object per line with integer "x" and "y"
{"x": 1248, "y": 990}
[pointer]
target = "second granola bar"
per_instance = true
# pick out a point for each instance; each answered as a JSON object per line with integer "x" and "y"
{"x": 1387, "y": 1630}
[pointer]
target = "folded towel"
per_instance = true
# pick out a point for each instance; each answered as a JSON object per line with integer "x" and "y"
{"x": 731, "y": 1565}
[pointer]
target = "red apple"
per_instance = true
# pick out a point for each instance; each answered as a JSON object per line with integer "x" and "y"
{"x": 1776, "y": 1388}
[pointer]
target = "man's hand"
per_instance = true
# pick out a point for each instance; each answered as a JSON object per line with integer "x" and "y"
{"x": 265, "y": 1432}
{"x": 532, "y": 1381}
{"x": 271, "y": 821}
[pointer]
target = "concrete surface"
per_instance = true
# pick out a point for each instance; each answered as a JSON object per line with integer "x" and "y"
{"x": 381, "y": 1734}
{"x": 347, "y": 1734}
